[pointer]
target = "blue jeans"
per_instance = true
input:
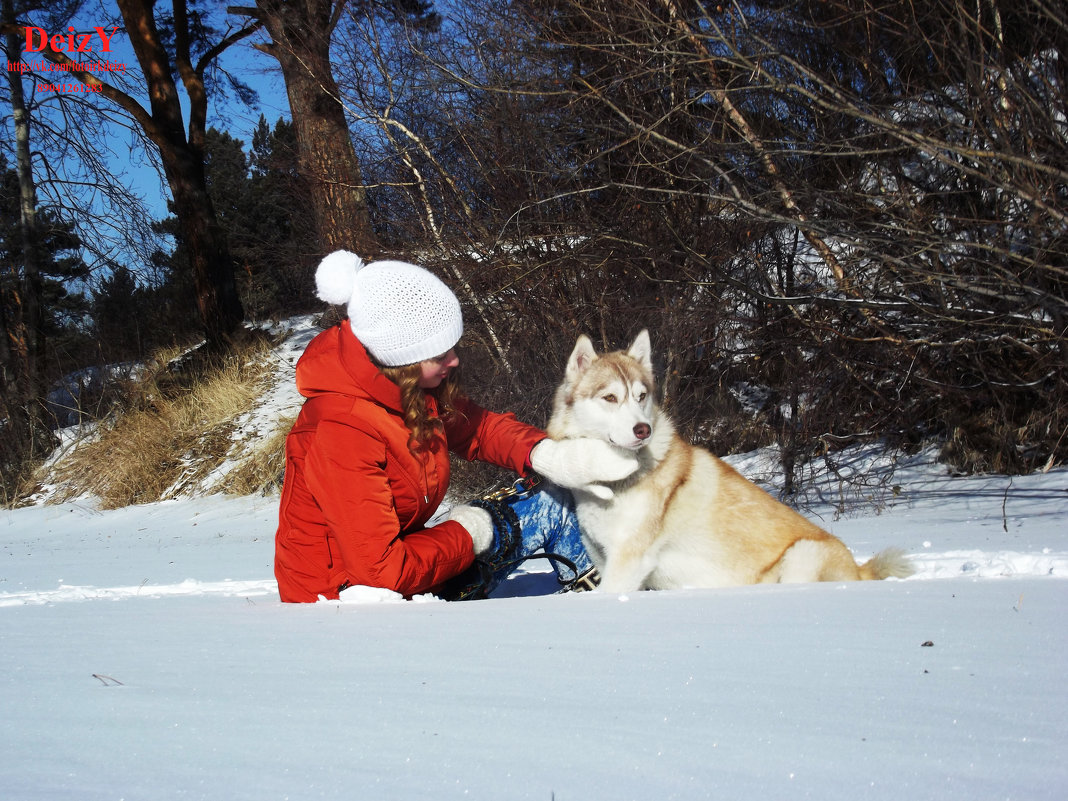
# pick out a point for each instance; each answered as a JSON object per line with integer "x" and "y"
{"x": 547, "y": 524}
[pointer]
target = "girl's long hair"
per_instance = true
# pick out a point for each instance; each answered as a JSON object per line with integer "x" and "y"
{"x": 417, "y": 417}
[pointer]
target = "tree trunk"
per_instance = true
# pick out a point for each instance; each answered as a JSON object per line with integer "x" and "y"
{"x": 213, "y": 272}
{"x": 25, "y": 335}
{"x": 25, "y": 436}
{"x": 300, "y": 32}
{"x": 183, "y": 163}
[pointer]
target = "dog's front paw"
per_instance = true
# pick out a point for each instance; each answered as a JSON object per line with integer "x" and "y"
{"x": 621, "y": 577}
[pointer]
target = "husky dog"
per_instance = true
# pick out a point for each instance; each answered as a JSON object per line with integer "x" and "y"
{"x": 685, "y": 518}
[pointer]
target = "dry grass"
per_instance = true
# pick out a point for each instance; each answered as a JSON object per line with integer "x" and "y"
{"x": 177, "y": 429}
{"x": 260, "y": 472}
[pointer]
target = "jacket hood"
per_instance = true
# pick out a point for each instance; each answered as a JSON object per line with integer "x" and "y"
{"x": 335, "y": 362}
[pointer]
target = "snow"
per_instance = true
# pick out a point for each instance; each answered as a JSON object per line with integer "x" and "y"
{"x": 146, "y": 656}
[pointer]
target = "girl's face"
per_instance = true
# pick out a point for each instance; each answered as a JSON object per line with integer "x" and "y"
{"x": 436, "y": 370}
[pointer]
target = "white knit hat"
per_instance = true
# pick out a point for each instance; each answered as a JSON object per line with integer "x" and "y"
{"x": 401, "y": 313}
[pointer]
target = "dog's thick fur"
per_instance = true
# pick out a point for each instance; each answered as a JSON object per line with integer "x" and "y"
{"x": 685, "y": 518}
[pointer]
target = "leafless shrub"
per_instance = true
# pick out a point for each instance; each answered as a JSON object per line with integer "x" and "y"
{"x": 856, "y": 209}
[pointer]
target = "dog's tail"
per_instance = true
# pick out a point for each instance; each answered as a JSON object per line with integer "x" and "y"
{"x": 889, "y": 563}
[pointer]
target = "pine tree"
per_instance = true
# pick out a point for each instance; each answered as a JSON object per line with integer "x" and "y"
{"x": 264, "y": 209}
{"x": 59, "y": 268}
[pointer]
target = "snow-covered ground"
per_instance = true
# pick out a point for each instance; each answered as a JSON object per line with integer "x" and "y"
{"x": 146, "y": 656}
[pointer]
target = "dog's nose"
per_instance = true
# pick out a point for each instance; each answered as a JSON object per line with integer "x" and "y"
{"x": 642, "y": 431}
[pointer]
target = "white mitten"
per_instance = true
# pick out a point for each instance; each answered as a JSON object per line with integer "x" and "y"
{"x": 479, "y": 525}
{"x": 582, "y": 464}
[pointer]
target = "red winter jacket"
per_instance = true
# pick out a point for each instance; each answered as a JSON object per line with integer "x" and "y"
{"x": 355, "y": 501}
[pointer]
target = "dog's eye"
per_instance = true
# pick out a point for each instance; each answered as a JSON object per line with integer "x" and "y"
{"x": 610, "y": 399}
{"x": 641, "y": 397}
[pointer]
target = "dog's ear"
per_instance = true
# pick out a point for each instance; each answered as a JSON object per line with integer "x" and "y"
{"x": 641, "y": 350}
{"x": 581, "y": 358}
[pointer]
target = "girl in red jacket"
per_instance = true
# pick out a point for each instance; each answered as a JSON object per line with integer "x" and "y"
{"x": 367, "y": 461}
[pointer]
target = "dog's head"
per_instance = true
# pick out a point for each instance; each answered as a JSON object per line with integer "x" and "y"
{"x": 607, "y": 396}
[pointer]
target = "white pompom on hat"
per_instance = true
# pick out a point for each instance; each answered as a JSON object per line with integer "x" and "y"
{"x": 401, "y": 313}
